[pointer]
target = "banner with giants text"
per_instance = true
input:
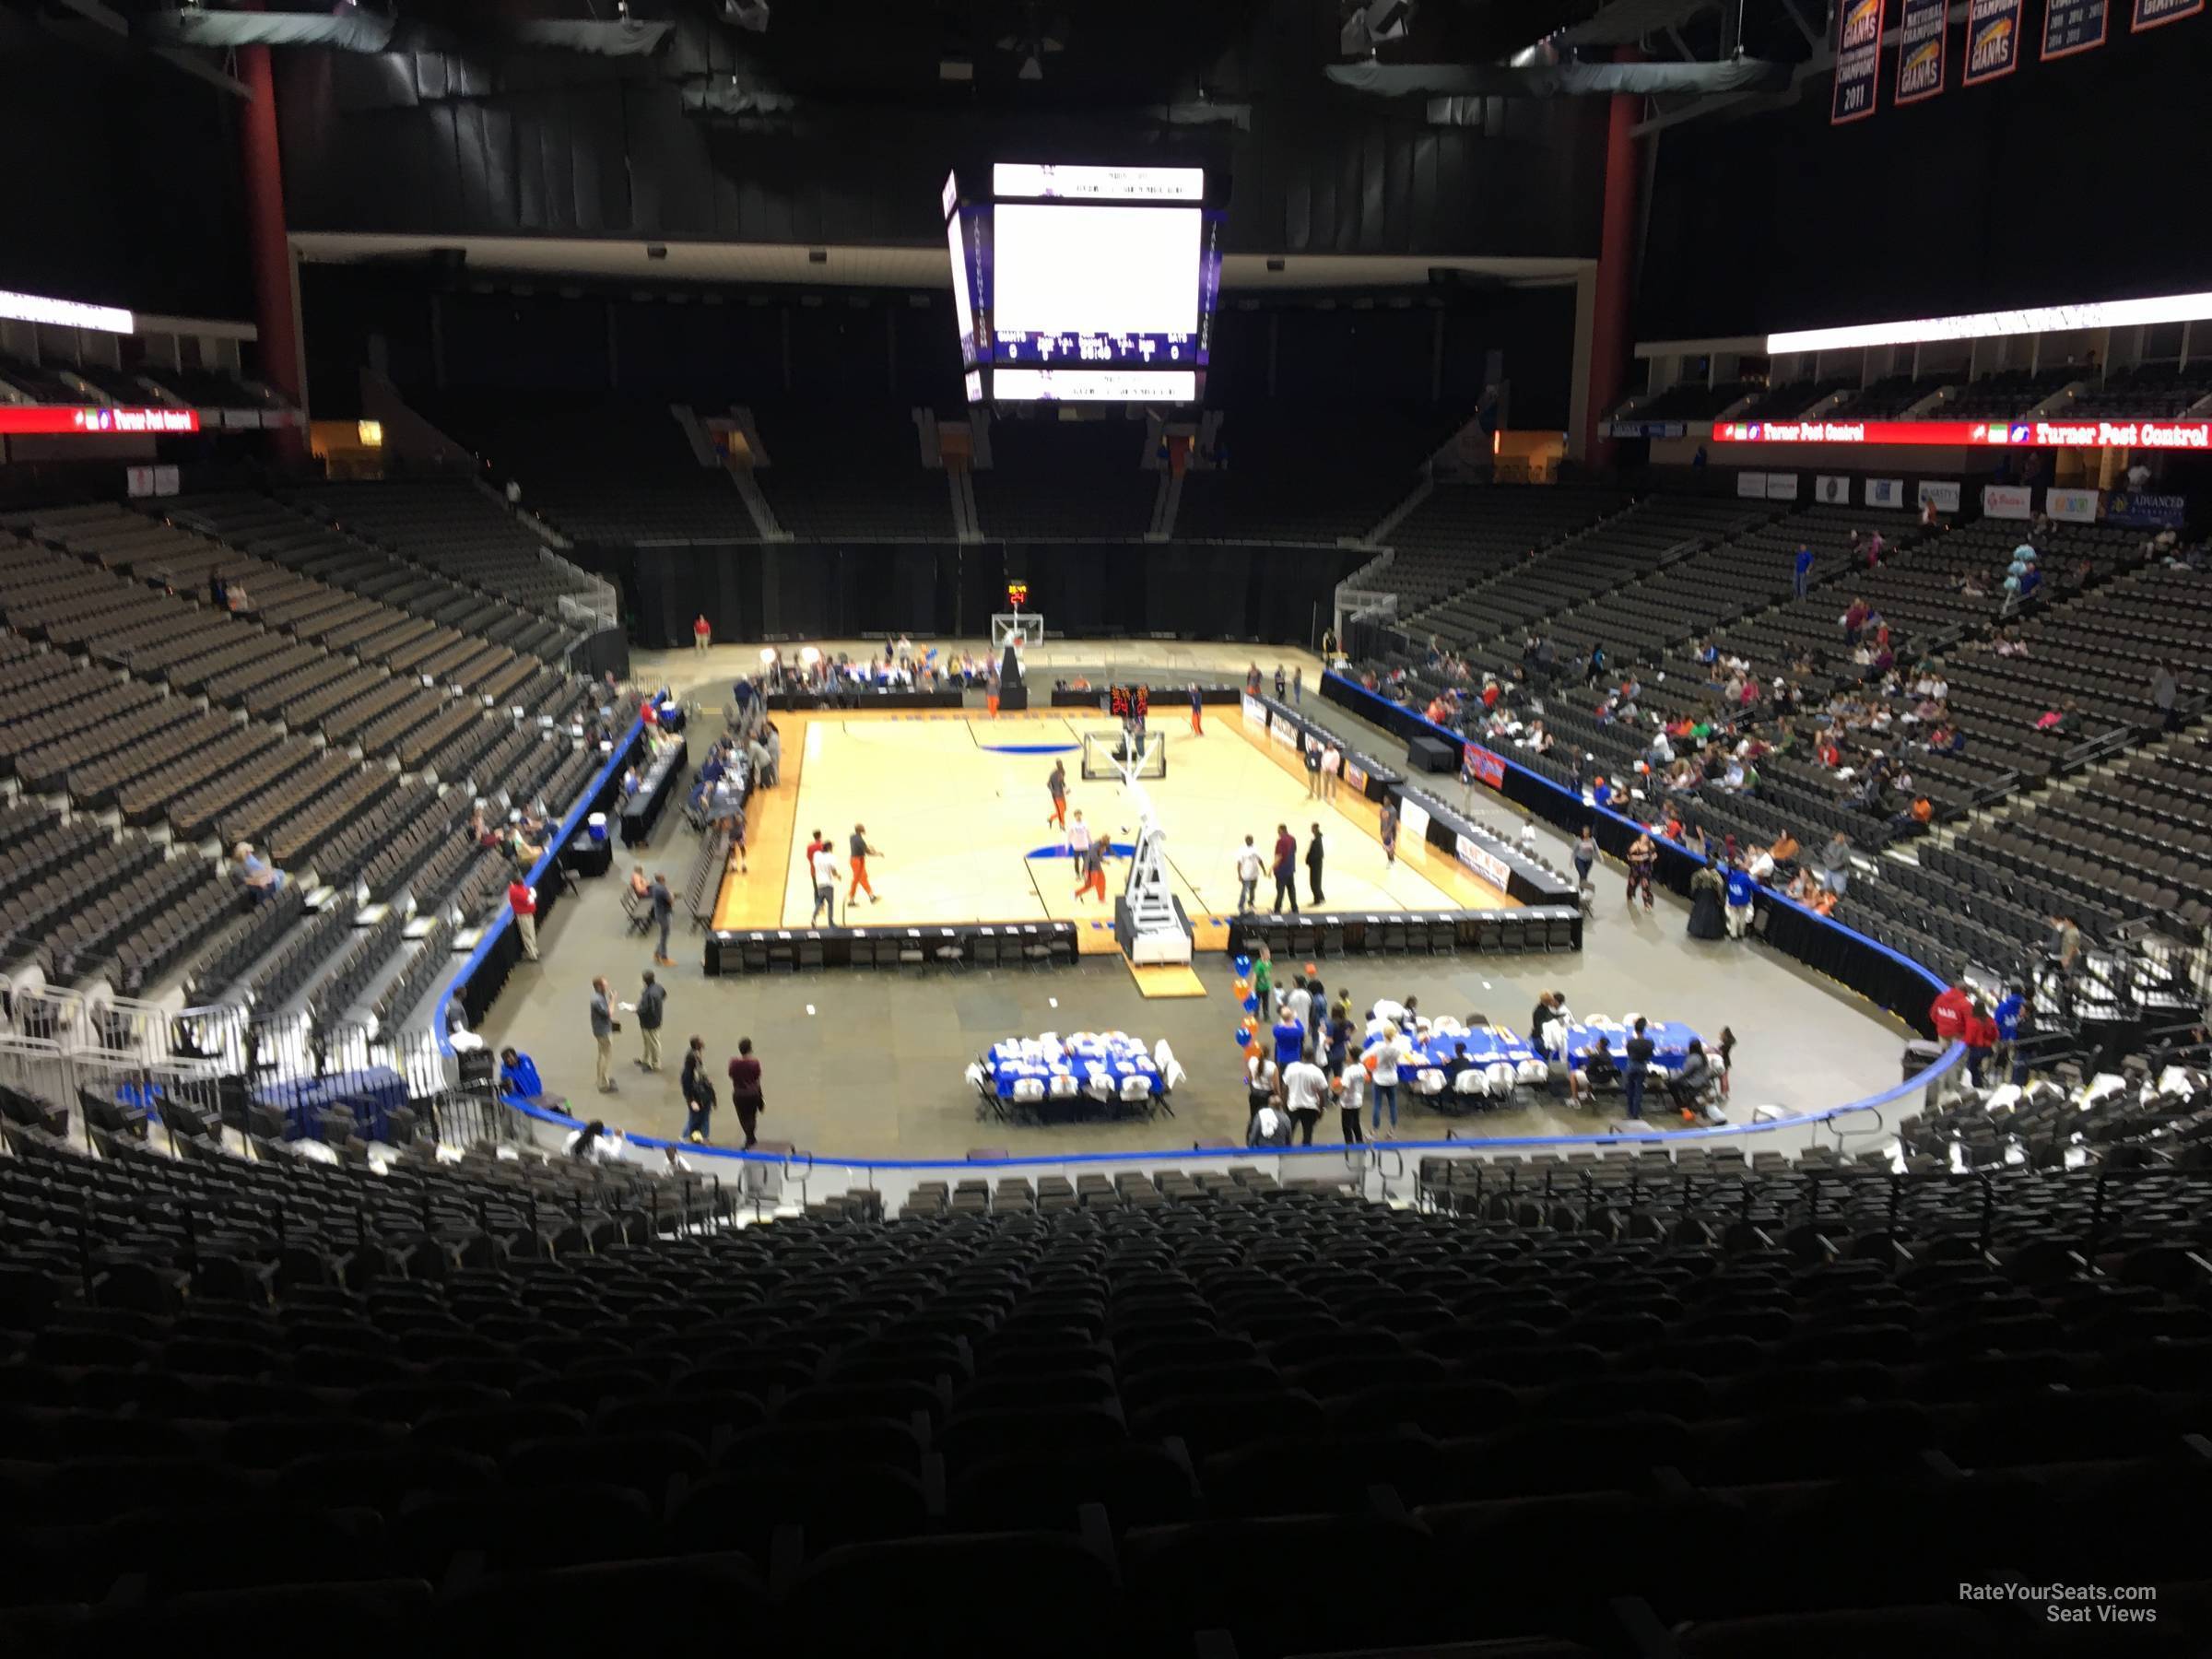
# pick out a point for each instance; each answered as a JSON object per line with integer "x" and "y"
{"x": 2149, "y": 13}
{"x": 1921, "y": 30}
{"x": 1858, "y": 60}
{"x": 2072, "y": 25}
{"x": 1993, "y": 40}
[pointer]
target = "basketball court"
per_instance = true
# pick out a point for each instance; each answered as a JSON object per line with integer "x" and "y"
{"x": 958, "y": 805}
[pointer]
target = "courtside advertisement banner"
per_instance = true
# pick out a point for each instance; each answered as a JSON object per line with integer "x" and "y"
{"x": 1481, "y": 765}
{"x": 2007, "y": 502}
{"x": 1488, "y": 866}
{"x": 2072, "y": 25}
{"x": 1832, "y": 489}
{"x": 1921, "y": 30}
{"x": 2147, "y": 511}
{"x": 1355, "y": 775}
{"x": 1284, "y": 731}
{"x": 1942, "y": 492}
{"x": 1858, "y": 60}
{"x": 1993, "y": 40}
{"x": 1412, "y": 820}
{"x": 2077, "y": 506}
{"x": 1886, "y": 492}
{"x": 1782, "y": 487}
{"x": 1752, "y": 485}
{"x": 1255, "y": 712}
{"x": 2149, "y": 13}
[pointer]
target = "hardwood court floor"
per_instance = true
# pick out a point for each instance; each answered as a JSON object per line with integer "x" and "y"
{"x": 956, "y": 802}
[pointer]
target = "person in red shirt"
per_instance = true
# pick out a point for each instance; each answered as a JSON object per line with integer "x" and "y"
{"x": 702, "y": 635}
{"x": 1981, "y": 1038}
{"x": 1949, "y": 1013}
{"x": 522, "y": 899}
{"x": 1286, "y": 869}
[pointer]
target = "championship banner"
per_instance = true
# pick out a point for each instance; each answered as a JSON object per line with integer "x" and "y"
{"x": 1858, "y": 60}
{"x": 1782, "y": 487}
{"x": 2077, "y": 506}
{"x": 2007, "y": 502}
{"x": 1993, "y": 40}
{"x": 1832, "y": 489}
{"x": 1921, "y": 27}
{"x": 1886, "y": 492}
{"x": 1943, "y": 493}
{"x": 2072, "y": 25}
{"x": 1753, "y": 485}
{"x": 2147, "y": 511}
{"x": 1481, "y": 765}
{"x": 2151, "y": 13}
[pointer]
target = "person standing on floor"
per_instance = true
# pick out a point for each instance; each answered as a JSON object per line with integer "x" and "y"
{"x": 698, "y": 1091}
{"x": 703, "y": 634}
{"x": 860, "y": 849}
{"x": 662, "y": 900}
{"x": 522, "y": 899}
{"x": 1586, "y": 857}
{"x": 1197, "y": 707}
{"x": 1057, "y": 786}
{"x": 1249, "y": 866}
{"x": 1644, "y": 858}
{"x": 1289, "y": 1037}
{"x": 1280, "y": 685}
{"x": 1332, "y": 771}
{"x": 1298, "y": 685}
{"x": 824, "y": 864}
{"x": 652, "y": 1001}
{"x": 1742, "y": 890}
{"x": 1091, "y": 871}
{"x": 1309, "y": 752}
{"x": 603, "y": 1026}
{"x": 1390, "y": 831}
{"x": 1314, "y": 860}
{"x": 1298, "y": 1005}
{"x": 1389, "y": 1054}
{"x": 745, "y": 1090}
{"x": 1317, "y": 1013}
{"x": 1263, "y": 983}
{"x": 1305, "y": 1085}
{"x": 1352, "y": 1086}
{"x": 1285, "y": 870}
{"x": 1638, "y": 1053}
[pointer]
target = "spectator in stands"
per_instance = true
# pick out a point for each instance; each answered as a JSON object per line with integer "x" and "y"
{"x": 1638, "y": 1053}
{"x": 773, "y": 740}
{"x": 2165, "y": 691}
{"x": 603, "y": 1026}
{"x": 514, "y": 495}
{"x": 2010, "y": 1016}
{"x": 652, "y": 1004}
{"x": 1949, "y": 1013}
{"x": 1599, "y": 1070}
{"x": 2063, "y": 947}
{"x": 219, "y": 591}
{"x": 1834, "y": 863}
{"x": 1981, "y": 1038}
{"x": 518, "y": 1076}
{"x": 1594, "y": 670}
{"x": 745, "y": 1099}
{"x": 261, "y": 879}
{"x": 1854, "y": 620}
{"x": 522, "y": 902}
{"x": 2139, "y": 476}
{"x": 1802, "y": 578}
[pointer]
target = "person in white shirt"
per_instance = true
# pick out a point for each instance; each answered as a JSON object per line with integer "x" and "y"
{"x": 1305, "y": 1085}
{"x": 1390, "y": 1013}
{"x": 825, "y": 885}
{"x": 1389, "y": 1054}
{"x": 1248, "y": 875}
{"x": 1351, "y": 1100}
{"x": 1298, "y": 1005}
{"x": 2139, "y": 477}
{"x": 1332, "y": 771}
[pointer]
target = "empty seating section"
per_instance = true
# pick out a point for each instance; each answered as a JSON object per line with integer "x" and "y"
{"x": 2009, "y": 392}
{"x": 2159, "y": 389}
{"x": 285, "y": 1394}
{"x": 1298, "y": 478}
{"x": 454, "y": 529}
{"x": 840, "y": 472}
{"x": 612, "y": 475}
{"x": 1887, "y": 399}
{"x": 1066, "y": 480}
{"x": 1688, "y": 401}
{"x": 1462, "y": 534}
{"x": 124, "y": 689}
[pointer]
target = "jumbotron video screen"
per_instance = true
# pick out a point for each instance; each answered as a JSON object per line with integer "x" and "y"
{"x": 1084, "y": 283}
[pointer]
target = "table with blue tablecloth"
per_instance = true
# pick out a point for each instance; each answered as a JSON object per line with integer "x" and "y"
{"x": 1485, "y": 1045}
{"x": 1086, "y": 1059}
{"x": 369, "y": 1093}
{"x": 1491, "y": 1045}
{"x": 1670, "y": 1041}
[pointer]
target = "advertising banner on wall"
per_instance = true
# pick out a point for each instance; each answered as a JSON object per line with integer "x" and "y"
{"x": 1482, "y": 765}
{"x": 1488, "y": 866}
{"x": 1858, "y": 60}
{"x": 1833, "y": 489}
{"x": 1921, "y": 27}
{"x": 1782, "y": 487}
{"x": 1255, "y": 712}
{"x": 1993, "y": 40}
{"x": 1886, "y": 492}
{"x": 1412, "y": 820}
{"x": 1942, "y": 492}
{"x": 2150, "y": 511}
{"x": 2072, "y": 25}
{"x": 2079, "y": 506}
{"x": 2007, "y": 502}
{"x": 1753, "y": 485}
{"x": 2149, "y": 13}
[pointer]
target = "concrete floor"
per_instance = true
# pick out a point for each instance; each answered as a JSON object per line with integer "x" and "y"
{"x": 869, "y": 1064}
